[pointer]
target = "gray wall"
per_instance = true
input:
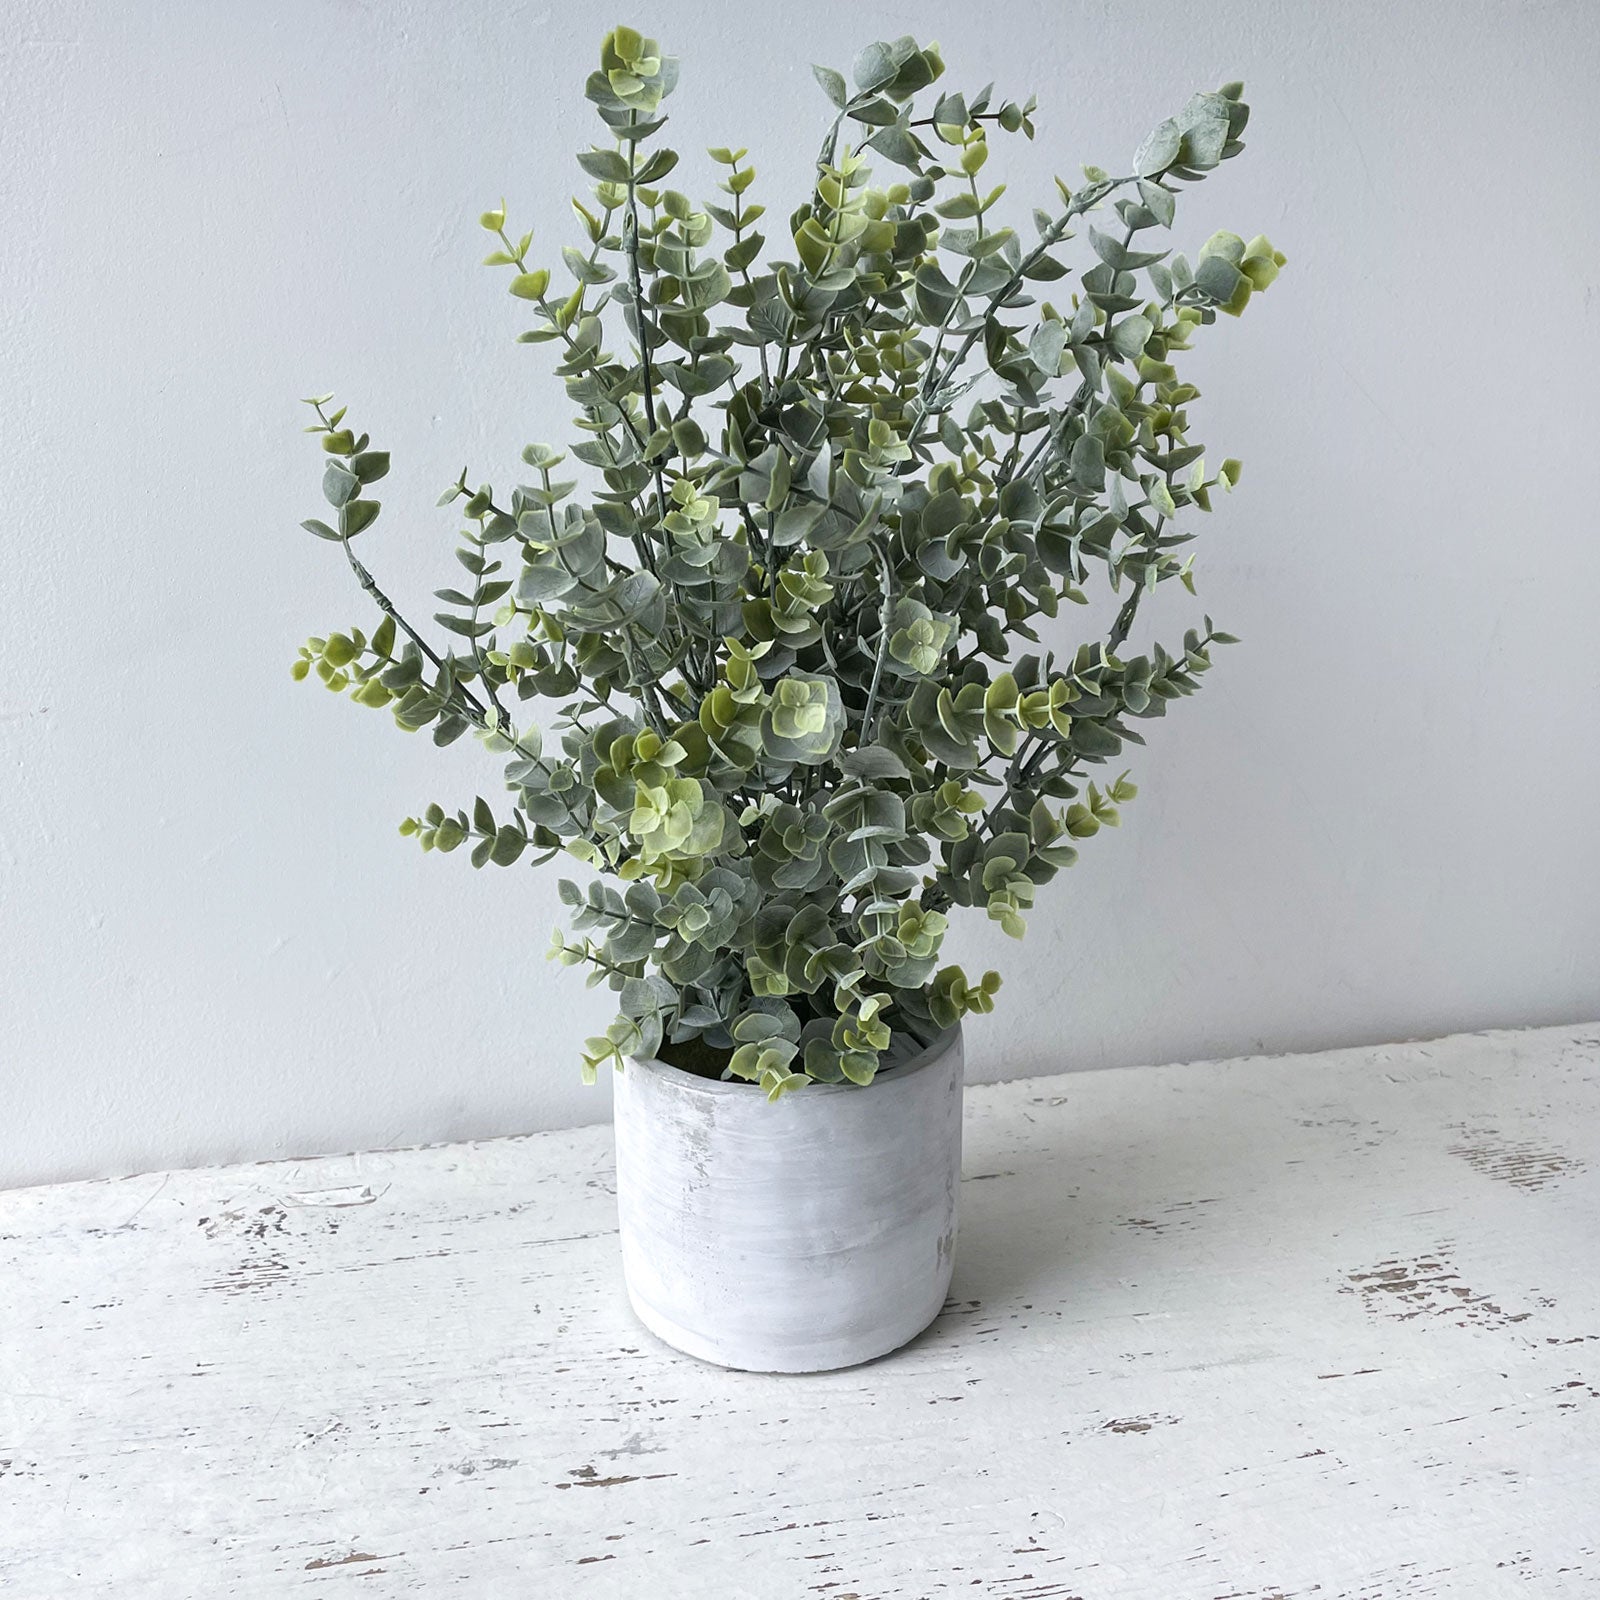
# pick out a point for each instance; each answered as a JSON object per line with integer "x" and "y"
{"x": 1375, "y": 822}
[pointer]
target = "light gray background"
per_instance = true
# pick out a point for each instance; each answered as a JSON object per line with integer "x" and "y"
{"x": 1376, "y": 821}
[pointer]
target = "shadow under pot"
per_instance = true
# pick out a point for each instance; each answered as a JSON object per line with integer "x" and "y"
{"x": 798, "y": 1236}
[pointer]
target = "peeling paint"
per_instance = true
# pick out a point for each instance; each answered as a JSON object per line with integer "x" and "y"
{"x": 1138, "y": 1424}
{"x": 470, "y": 1468}
{"x": 1214, "y": 1319}
{"x": 589, "y": 1478}
{"x": 1523, "y": 1163}
{"x": 253, "y": 1274}
{"x": 1177, "y": 1217}
{"x": 633, "y": 1445}
{"x": 1426, "y": 1286}
{"x": 353, "y": 1559}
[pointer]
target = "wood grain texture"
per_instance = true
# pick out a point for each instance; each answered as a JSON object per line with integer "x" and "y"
{"x": 1311, "y": 1326}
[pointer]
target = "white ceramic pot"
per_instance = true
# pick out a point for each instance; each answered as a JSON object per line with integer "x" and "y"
{"x": 799, "y": 1236}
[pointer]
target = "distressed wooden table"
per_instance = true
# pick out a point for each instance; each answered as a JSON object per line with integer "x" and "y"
{"x": 1320, "y": 1325}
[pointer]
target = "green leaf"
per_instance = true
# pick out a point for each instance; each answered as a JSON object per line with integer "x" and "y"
{"x": 356, "y": 515}
{"x": 463, "y": 626}
{"x": 609, "y": 166}
{"x": 874, "y": 67}
{"x": 1159, "y": 150}
{"x": 1046, "y": 346}
{"x": 797, "y": 521}
{"x": 1205, "y": 124}
{"x": 339, "y": 485}
{"x": 1217, "y": 277}
{"x": 936, "y": 294}
{"x": 1130, "y": 335}
{"x": 1094, "y": 740}
{"x": 833, "y": 85}
{"x": 656, "y": 166}
{"x": 1089, "y": 463}
{"x": 1158, "y": 202}
{"x": 708, "y": 285}
{"x": 875, "y": 762}
{"x": 739, "y": 256}
{"x": 1111, "y": 251}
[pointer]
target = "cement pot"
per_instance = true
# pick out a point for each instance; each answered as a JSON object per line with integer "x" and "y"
{"x": 800, "y": 1236}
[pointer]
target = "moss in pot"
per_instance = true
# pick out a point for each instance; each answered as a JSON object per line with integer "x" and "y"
{"x": 827, "y": 481}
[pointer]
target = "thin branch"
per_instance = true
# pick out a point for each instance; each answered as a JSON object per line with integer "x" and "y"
{"x": 1124, "y": 623}
{"x": 885, "y": 617}
{"x": 630, "y": 243}
{"x": 469, "y": 704}
{"x": 1084, "y": 200}
{"x": 389, "y": 609}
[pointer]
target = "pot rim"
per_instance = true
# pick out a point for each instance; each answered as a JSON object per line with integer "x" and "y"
{"x": 693, "y": 1083}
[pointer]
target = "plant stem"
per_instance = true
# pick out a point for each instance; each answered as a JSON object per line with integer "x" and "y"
{"x": 885, "y": 616}
{"x": 1124, "y": 623}
{"x": 630, "y": 241}
{"x": 471, "y": 707}
{"x": 1083, "y": 201}
{"x": 387, "y": 606}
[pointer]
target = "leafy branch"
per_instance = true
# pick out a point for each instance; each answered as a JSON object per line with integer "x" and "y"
{"x": 792, "y": 610}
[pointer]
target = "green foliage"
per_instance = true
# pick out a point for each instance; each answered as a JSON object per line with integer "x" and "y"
{"x": 828, "y": 481}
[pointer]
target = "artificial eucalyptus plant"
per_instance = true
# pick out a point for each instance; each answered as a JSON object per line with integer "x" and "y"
{"x": 831, "y": 483}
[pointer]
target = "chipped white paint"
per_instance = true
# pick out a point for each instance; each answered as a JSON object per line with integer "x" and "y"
{"x": 812, "y": 1234}
{"x": 1320, "y": 1326}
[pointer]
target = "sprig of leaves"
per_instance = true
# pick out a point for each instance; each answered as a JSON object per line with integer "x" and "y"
{"x": 828, "y": 483}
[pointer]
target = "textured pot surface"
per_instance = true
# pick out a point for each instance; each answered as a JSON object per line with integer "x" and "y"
{"x": 813, "y": 1233}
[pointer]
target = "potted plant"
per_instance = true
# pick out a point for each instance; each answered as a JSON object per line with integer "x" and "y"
{"x": 831, "y": 487}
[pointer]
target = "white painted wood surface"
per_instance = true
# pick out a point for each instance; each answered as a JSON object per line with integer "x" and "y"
{"x": 1313, "y": 1326}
